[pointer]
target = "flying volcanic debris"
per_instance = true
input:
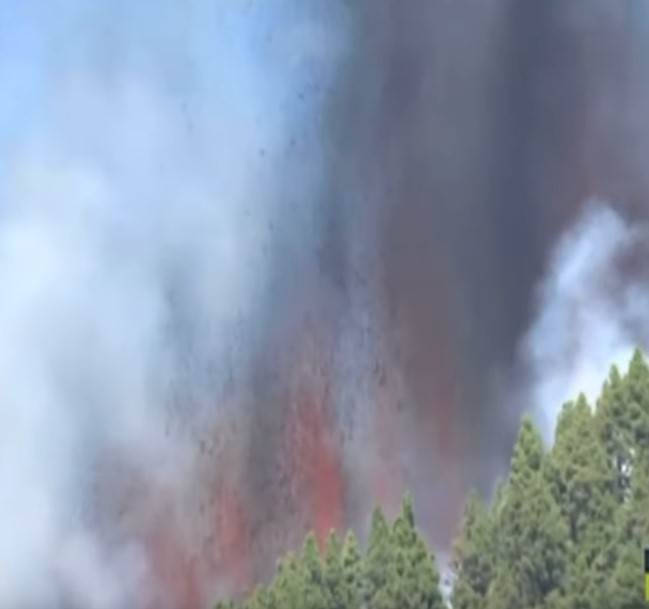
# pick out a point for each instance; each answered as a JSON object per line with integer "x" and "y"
{"x": 264, "y": 265}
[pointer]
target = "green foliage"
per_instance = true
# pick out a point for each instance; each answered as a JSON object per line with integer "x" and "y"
{"x": 261, "y": 598}
{"x": 581, "y": 477}
{"x": 314, "y": 590}
{"x": 353, "y": 572}
{"x": 288, "y": 587}
{"x": 626, "y": 588}
{"x": 415, "y": 578}
{"x": 473, "y": 556}
{"x": 379, "y": 589}
{"x": 583, "y": 482}
{"x": 504, "y": 591}
{"x": 623, "y": 419}
{"x": 565, "y": 530}
{"x": 532, "y": 535}
{"x": 334, "y": 575}
{"x": 613, "y": 426}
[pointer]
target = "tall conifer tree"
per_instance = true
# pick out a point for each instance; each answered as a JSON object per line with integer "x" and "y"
{"x": 378, "y": 578}
{"x": 531, "y": 531}
{"x": 473, "y": 557}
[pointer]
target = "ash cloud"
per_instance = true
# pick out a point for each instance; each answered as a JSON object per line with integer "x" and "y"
{"x": 476, "y": 133}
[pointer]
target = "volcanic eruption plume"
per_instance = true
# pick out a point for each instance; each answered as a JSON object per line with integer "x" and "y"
{"x": 265, "y": 264}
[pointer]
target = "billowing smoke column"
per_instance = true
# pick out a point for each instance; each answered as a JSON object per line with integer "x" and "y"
{"x": 472, "y": 136}
{"x": 592, "y": 309}
{"x": 264, "y": 265}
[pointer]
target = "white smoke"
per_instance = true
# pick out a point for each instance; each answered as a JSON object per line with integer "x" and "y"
{"x": 108, "y": 231}
{"x": 592, "y": 311}
{"x": 134, "y": 247}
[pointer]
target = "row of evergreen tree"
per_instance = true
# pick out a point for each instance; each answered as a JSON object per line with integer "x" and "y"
{"x": 565, "y": 530}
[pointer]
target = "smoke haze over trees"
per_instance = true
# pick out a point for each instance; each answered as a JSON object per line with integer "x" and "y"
{"x": 564, "y": 531}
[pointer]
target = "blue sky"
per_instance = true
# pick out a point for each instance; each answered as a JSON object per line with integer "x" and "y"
{"x": 253, "y": 54}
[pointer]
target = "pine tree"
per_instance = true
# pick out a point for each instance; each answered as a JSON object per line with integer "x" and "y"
{"x": 637, "y": 381}
{"x": 334, "y": 575}
{"x": 313, "y": 573}
{"x": 288, "y": 586}
{"x": 531, "y": 530}
{"x": 583, "y": 481}
{"x": 403, "y": 528}
{"x": 353, "y": 572}
{"x": 261, "y": 598}
{"x": 473, "y": 557}
{"x": 379, "y": 564}
{"x": 614, "y": 429}
{"x": 504, "y": 592}
{"x": 415, "y": 577}
{"x": 425, "y": 591}
{"x": 527, "y": 458}
{"x": 583, "y": 485}
{"x": 403, "y": 539}
{"x": 626, "y": 586}
{"x": 623, "y": 419}
{"x": 584, "y": 587}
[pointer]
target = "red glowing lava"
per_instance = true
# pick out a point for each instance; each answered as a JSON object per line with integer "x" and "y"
{"x": 318, "y": 464}
{"x": 232, "y": 537}
{"x": 175, "y": 571}
{"x": 387, "y": 475}
{"x": 313, "y": 443}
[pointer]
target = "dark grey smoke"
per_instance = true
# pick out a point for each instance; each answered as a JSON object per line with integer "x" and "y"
{"x": 465, "y": 137}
